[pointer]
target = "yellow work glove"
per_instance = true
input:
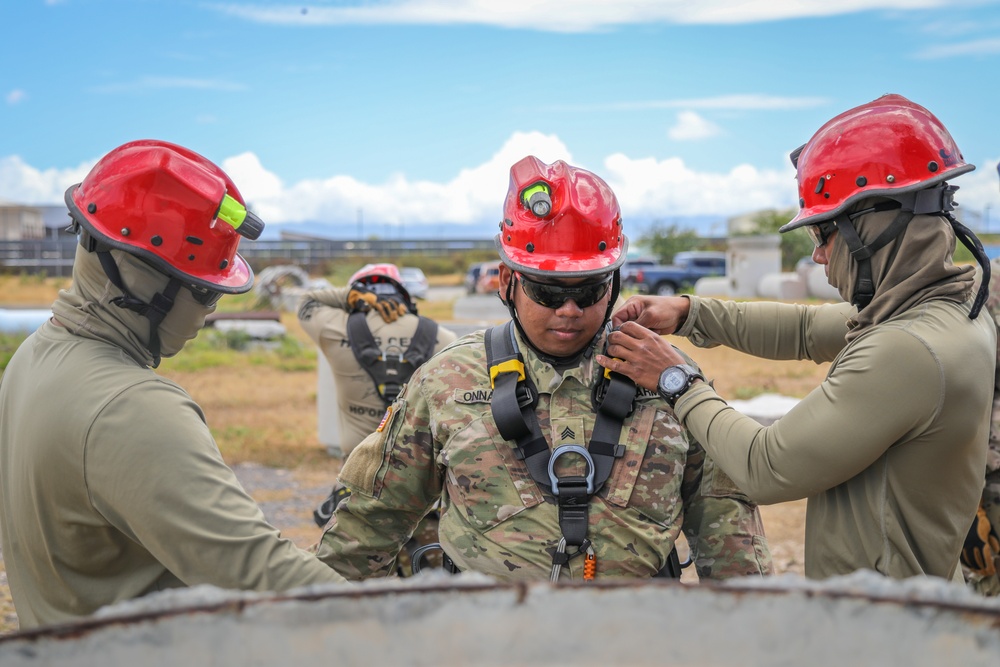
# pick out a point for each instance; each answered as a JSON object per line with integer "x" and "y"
{"x": 981, "y": 546}
{"x": 361, "y": 299}
{"x": 390, "y": 308}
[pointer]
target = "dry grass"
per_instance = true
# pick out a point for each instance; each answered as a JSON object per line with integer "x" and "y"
{"x": 30, "y": 291}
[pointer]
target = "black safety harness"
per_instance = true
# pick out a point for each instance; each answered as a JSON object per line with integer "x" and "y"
{"x": 390, "y": 369}
{"x": 513, "y": 405}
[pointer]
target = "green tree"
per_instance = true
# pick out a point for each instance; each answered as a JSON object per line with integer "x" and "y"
{"x": 665, "y": 241}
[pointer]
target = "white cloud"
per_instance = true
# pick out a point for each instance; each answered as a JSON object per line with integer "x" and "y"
{"x": 979, "y": 47}
{"x": 471, "y": 196}
{"x": 647, "y": 188}
{"x": 168, "y": 83}
{"x": 562, "y": 15}
{"x": 692, "y": 127}
{"x": 651, "y": 188}
{"x": 20, "y": 182}
{"x": 750, "y": 102}
{"x": 16, "y": 96}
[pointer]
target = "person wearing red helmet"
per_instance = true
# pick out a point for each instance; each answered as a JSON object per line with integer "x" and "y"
{"x": 111, "y": 485}
{"x": 373, "y": 338}
{"x": 890, "y": 448}
{"x": 544, "y": 466}
{"x": 981, "y": 553}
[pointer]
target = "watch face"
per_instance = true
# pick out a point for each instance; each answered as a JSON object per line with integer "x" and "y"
{"x": 673, "y": 380}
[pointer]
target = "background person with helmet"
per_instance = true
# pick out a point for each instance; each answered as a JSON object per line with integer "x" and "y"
{"x": 111, "y": 485}
{"x": 890, "y": 448}
{"x": 373, "y": 338}
{"x": 550, "y": 469}
{"x": 981, "y": 553}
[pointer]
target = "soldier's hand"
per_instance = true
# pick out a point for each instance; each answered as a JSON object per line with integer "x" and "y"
{"x": 390, "y": 308}
{"x": 361, "y": 299}
{"x": 981, "y": 546}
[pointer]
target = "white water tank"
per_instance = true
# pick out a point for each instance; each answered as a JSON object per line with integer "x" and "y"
{"x": 749, "y": 259}
{"x": 327, "y": 412}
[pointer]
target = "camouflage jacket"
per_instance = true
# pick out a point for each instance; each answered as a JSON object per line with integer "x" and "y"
{"x": 993, "y": 305}
{"x": 439, "y": 440}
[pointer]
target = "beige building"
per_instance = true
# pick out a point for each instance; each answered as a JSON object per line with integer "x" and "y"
{"x": 20, "y": 223}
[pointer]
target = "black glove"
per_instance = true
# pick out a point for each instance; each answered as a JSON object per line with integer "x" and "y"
{"x": 323, "y": 513}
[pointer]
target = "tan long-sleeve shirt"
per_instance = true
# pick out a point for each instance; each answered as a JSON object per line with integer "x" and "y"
{"x": 889, "y": 449}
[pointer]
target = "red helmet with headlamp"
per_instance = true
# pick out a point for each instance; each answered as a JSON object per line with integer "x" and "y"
{"x": 171, "y": 207}
{"x": 560, "y": 221}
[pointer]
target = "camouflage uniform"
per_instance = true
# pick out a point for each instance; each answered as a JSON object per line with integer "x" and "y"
{"x": 991, "y": 490}
{"x": 439, "y": 440}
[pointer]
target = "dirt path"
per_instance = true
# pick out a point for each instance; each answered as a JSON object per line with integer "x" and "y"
{"x": 289, "y": 497}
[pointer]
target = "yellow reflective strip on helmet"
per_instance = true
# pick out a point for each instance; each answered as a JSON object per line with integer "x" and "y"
{"x": 511, "y": 365}
{"x": 232, "y": 212}
{"x": 537, "y": 187}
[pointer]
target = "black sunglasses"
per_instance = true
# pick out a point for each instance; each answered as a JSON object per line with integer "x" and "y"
{"x": 821, "y": 233}
{"x": 554, "y": 296}
{"x": 205, "y": 297}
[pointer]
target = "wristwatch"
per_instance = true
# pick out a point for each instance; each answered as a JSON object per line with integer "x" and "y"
{"x": 676, "y": 380}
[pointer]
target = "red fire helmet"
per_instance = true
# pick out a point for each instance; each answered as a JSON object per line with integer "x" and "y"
{"x": 883, "y": 148}
{"x": 172, "y": 208}
{"x": 373, "y": 274}
{"x": 377, "y": 270}
{"x": 561, "y": 220}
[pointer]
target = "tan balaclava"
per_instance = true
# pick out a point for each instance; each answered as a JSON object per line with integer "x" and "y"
{"x": 914, "y": 267}
{"x": 86, "y": 308}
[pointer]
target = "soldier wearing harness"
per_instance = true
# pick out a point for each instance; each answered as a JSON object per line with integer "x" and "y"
{"x": 544, "y": 466}
{"x": 373, "y": 338}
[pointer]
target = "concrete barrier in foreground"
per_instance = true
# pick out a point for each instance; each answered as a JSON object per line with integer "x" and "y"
{"x": 435, "y": 620}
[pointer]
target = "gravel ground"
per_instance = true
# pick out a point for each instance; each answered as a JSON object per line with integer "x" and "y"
{"x": 287, "y": 499}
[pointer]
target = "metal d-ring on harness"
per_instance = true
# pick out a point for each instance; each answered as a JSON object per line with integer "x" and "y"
{"x": 513, "y": 406}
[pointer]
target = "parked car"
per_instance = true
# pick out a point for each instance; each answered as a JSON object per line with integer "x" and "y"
{"x": 687, "y": 269}
{"x": 414, "y": 281}
{"x": 489, "y": 278}
{"x": 632, "y": 266}
{"x": 472, "y": 277}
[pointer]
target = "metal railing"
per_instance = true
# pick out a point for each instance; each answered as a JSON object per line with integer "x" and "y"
{"x": 55, "y": 256}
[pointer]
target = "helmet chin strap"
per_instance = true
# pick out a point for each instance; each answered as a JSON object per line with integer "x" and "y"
{"x": 587, "y": 350}
{"x": 936, "y": 200}
{"x": 155, "y": 311}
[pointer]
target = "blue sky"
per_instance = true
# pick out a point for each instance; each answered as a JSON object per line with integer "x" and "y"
{"x": 403, "y": 117}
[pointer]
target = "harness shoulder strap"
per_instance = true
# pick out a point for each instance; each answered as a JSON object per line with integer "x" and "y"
{"x": 422, "y": 343}
{"x": 361, "y": 339}
{"x": 389, "y": 372}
